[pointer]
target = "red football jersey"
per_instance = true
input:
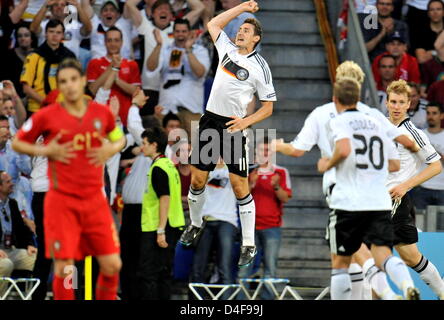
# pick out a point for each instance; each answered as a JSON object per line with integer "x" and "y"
{"x": 129, "y": 72}
{"x": 79, "y": 177}
{"x": 268, "y": 207}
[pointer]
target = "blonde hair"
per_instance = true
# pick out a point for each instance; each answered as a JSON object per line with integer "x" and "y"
{"x": 347, "y": 90}
{"x": 399, "y": 87}
{"x": 350, "y": 69}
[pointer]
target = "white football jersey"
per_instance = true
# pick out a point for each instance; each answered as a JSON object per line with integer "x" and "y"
{"x": 411, "y": 162}
{"x": 315, "y": 132}
{"x": 237, "y": 79}
{"x": 361, "y": 177}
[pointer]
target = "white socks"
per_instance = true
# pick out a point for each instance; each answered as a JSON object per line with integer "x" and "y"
{"x": 247, "y": 213}
{"x": 378, "y": 280}
{"x": 398, "y": 272}
{"x": 340, "y": 287}
{"x": 357, "y": 281}
{"x": 430, "y": 275}
{"x": 196, "y": 200}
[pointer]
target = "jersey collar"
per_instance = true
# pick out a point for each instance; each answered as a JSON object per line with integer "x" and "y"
{"x": 350, "y": 110}
{"x": 403, "y": 121}
{"x": 252, "y": 53}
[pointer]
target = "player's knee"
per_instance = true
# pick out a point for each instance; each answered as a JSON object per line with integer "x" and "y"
{"x": 198, "y": 182}
{"x": 6, "y": 267}
{"x": 63, "y": 268}
{"x": 112, "y": 267}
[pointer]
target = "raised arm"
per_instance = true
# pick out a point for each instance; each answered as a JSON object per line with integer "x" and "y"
{"x": 20, "y": 111}
{"x": 83, "y": 17}
{"x": 87, "y": 8}
{"x": 153, "y": 59}
{"x": 18, "y": 11}
{"x": 131, "y": 11}
{"x": 219, "y": 22}
{"x": 39, "y": 17}
{"x": 197, "y": 8}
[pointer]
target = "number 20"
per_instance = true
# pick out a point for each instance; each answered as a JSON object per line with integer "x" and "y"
{"x": 364, "y": 150}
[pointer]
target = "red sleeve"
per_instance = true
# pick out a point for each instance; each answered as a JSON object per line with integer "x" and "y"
{"x": 135, "y": 74}
{"x": 414, "y": 74}
{"x": 285, "y": 181}
{"x": 431, "y": 93}
{"x": 93, "y": 71}
{"x": 375, "y": 68}
{"x": 33, "y": 127}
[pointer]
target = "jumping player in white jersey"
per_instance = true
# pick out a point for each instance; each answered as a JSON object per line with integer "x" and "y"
{"x": 363, "y": 155}
{"x": 241, "y": 73}
{"x": 409, "y": 176}
{"x": 314, "y": 132}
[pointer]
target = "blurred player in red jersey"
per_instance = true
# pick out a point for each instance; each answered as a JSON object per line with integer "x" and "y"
{"x": 79, "y": 136}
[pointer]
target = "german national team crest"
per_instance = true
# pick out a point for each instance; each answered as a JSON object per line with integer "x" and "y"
{"x": 242, "y": 74}
{"x": 97, "y": 124}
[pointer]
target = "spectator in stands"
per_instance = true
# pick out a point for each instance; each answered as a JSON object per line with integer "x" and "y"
{"x": 416, "y": 19}
{"x": 376, "y": 39}
{"x": 436, "y": 92}
{"x": 386, "y": 74}
{"x": 220, "y": 212}
{"x": 17, "y": 250}
{"x": 39, "y": 70}
{"x": 433, "y": 69}
{"x": 431, "y": 192}
{"x": 109, "y": 17}
{"x": 16, "y": 56}
{"x": 417, "y": 110}
{"x": 13, "y": 107}
{"x": 160, "y": 18}
{"x": 124, "y": 72}
{"x": 15, "y": 165}
{"x": 75, "y": 30}
{"x": 183, "y": 66}
{"x": 162, "y": 220}
{"x": 233, "y": 26}
{"x": 172, "y": 125}
{"x": 425, "y": 42}
{"x": 190, "y": 10}
{"x": 271, "y": 187}
{"x": 406, "y": 65}
{"x": 9, "y": 16}
{"x": 184, "y": 167}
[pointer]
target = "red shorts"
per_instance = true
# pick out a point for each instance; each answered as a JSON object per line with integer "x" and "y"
{"x": 78, "y": 227}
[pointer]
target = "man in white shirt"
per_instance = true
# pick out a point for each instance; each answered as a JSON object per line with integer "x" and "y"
{"x": 75, "y": 30}
{"x": 409, "y": 176}
{"x": 182, "y": 66}
{"x": 363, "y": 155}
{"x": 158, "y": 16}
{"x": 431, "y": 192}
{"x": 241, "y": 73}
{"x": 109, "y": 17}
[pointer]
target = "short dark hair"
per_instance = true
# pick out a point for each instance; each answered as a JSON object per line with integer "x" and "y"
{"x": 182, "y": 21}
{"x": 347, "y": 91}
{"x": 114, "y": 28}
{"x": 156, "y": 135}
{"x": 257, "y": 28}
{"x": 387, "y": 55}
{"x": 436, "y": 104}
{"x": 69, "y": 63}
{"x": 159, "y": 3}
{"x": 53, "y": 23}
{"x": 169, "y": 117}
{"x": 432, "y": 1}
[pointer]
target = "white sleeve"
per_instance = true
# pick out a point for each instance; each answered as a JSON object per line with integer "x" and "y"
{"x": 427, "y": 153}
{"x": 392, "y": 151}
{"x": 309, "y": 134}
{"x": 223, "y": 44}
{"x": 145, "y": 26}
{"x": 264, "y": 83}
{"x": 102, "y": 95}
{"x": 339, "y": 129}
{"x": 134, "y": 124}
